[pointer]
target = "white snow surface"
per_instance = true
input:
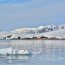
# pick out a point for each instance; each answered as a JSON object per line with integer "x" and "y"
{"x": 26, "y": 32}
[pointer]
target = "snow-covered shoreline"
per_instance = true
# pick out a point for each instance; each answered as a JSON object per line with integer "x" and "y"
{"x": 49, "y": 32}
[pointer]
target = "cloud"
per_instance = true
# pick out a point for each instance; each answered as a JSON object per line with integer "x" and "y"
{"x": 27, "y": 11}
{"x": 13, "y": 1}
{"x": 32, "y": 11}
{"x": 10, "y": 12}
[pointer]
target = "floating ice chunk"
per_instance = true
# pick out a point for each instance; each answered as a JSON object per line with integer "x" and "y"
{"x": 11, "y": 51}
{"x": 6, "y": 51}
{"x": 23, "y": 52}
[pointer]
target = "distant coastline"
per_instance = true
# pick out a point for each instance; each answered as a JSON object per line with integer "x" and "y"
{"x": 49, "y": 32}
{"x": 35, "y": 39}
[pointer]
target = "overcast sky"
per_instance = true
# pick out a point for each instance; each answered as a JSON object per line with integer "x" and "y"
{"x": 31, "y": 13}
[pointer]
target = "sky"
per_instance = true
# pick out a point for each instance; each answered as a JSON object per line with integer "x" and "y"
{"x": 31, "y": 13}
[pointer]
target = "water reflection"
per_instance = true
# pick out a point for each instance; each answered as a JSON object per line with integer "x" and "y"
{"x": 15, "y": 60}
{"x": 17, "y": 57}
{"x": 44, "y": 49}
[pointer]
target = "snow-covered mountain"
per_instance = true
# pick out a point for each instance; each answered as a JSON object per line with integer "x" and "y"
{"x": 57, "y": 31}
{"x": 40, "y": 29}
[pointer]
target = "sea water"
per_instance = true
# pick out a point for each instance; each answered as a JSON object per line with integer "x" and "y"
{"x": 43, "y": 52}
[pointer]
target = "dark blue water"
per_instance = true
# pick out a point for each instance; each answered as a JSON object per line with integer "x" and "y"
{"x": 44, "y": 52}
